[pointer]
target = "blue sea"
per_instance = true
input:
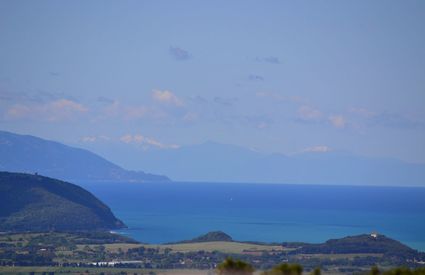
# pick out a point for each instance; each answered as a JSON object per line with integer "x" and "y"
{"x": 169, "y": 212}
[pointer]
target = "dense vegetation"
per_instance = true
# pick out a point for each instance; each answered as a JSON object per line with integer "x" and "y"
{"x": 103, "y": 249}
{"x": 36, "y": 203}
{"x": 238, "y": 267}
{"x": 361, "y": 244}
{"x": 287, "y": 269}
{"x": 234, "y": 267}
{"x": 214, "y": 236}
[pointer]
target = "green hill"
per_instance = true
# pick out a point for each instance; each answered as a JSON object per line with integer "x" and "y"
{"x": 214, "y": 236}
{"x": 37, "y": 203}
{"x": 360, "y": 244}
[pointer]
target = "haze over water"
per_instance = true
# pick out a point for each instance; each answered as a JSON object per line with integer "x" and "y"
{"x": 169, "y": 212}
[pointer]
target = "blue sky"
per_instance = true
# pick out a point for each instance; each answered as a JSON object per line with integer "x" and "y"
{"x": 276, "y": 76}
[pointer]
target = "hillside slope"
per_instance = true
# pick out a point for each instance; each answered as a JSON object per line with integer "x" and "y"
{"x": 37, "y": 203}
{"x": 28, "y": 154}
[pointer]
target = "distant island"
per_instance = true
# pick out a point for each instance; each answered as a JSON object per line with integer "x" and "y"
{"x": 36, "y": 203}
{"x": 29, "y": 154}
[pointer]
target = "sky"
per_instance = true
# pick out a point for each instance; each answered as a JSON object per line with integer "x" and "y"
{"x": 274, "y": 76}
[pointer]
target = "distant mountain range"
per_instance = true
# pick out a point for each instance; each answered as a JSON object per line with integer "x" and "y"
{"x": 36, "y": 203}
{"x": 29, "y": 154}
{"x": 209, "y": 162}
{"x": 216, "y": 162}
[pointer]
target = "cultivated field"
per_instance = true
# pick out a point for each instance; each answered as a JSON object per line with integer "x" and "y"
{"x": 225, "y": 247}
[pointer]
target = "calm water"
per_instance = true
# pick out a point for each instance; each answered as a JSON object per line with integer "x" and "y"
{"x": 158, "y": 213}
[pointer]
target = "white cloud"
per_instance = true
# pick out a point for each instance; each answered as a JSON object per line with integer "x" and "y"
{"x": 146, "y": 142}
{"x": 318, "y": 149}
{"x": 57, "y": 110}
{"x": 92, "y": 139}
{"x": 337, "y": 121}
{"x": 88, "y": 139}
{"x": 166, "y": 97}
{"x": 64, "y": 105}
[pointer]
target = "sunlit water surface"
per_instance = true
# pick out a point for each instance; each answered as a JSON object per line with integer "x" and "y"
{"x": 169, "y": 212}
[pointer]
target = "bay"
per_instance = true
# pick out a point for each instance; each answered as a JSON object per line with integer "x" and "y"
{"x": 170, "y": 212}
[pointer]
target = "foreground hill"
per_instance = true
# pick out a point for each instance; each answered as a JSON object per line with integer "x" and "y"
{"x": 36, "y": 203}
{"x": 28, "y": 154}
{"x": 214, "y": 162}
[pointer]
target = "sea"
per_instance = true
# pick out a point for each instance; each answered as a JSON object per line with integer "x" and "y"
{"x": 169, "y": 212}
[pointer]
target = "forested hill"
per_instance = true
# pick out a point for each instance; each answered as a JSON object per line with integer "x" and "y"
{"x": 214, "y": 236}
{"x": 29, "y": 154}
{"x": 37, "y": 203}
{"x": 362, "y": 244}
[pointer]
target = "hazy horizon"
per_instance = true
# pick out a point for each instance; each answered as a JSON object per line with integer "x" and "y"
{"x": 275, "y": 77}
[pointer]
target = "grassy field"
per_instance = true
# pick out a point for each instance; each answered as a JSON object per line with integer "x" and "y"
{"x": 113, "y": 247}
{"x": 225, "y": 247}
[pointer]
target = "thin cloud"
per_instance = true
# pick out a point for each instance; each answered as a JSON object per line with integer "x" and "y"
{"x": 55, "y": 74}
{"x": 254, "y": 77}
{"x": 363, "y": 112}
{"x": 225, "y": 101}
{"x": 198, "y": 100}
{"x": 166, "y": 97}
{"x": 88, "y": 139}
{"x": 135, "y": 112}
{"x": 33, "y": 97}
{"x": 394, "y": 120}
{"x": 58, "y": 110}
{"x": 190, "y": 117}
{"x": 137, "y": 140}
{"x": 105, "y": 100}
{"x": 337, "y": 121}
{"x": 95, "y": 139}
{"x": 179, "y": 53}
{"x": 318, "y": 149}
{"x": 269, "y": 59}
{"x": 307, "y": 113}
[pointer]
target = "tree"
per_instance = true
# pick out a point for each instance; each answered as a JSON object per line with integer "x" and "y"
{"x": 316, "y": 271}
{"x": 232, "y": 267}
{"x": 374, "y": 271}
{"x": 285, "y": 269}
